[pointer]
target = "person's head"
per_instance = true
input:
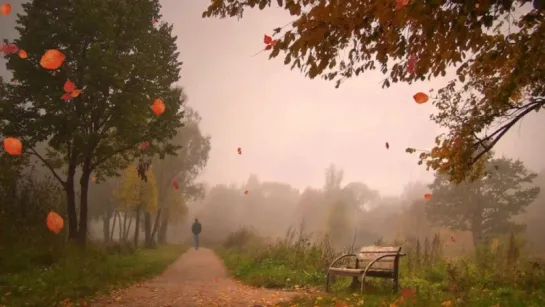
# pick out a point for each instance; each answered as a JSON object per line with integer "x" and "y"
{"x": 196, "y": 220}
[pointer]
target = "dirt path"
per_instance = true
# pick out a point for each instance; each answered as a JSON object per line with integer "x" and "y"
{"x": 197, "y": 278}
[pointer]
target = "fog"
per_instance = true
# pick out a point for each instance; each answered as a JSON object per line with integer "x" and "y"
{"x": 291, "y": 129}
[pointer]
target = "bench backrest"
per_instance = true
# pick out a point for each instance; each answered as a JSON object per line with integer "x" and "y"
{"x": 369, "y": 253}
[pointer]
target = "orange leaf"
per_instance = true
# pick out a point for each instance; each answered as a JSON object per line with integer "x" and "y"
{"x": 13, "y": 146}
{"x": 69, "y": 86}
{"x": 246, "y": 192}
{"x": 75, "y": 93}
{"x": 420, "y": 98}
{"x": 175, "y": 184}
{"x": 239, "y": 150}
{"x": 452, "y": 239}
{"x": 5, "y": 9}
{"x": 387, "y": 145}
{"x": 54, "y": 222}
{"x": 94, "y": 179}
{"x": 153, "y": 21}
{"x": 267, "y": 39}
{"x": 158, "y": 107}
{"x": 268, "y": 47}
{"x": 52, "y": 59}
{"x": 23, "y": 54}
{"x": 427, "y": 196}
{"x": 66, "y": 97}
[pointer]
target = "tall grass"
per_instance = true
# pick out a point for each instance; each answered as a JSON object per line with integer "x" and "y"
{"x": 493, "y": 274}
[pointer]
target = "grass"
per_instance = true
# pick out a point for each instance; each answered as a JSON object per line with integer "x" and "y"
{"x": 493, "y": 275}
{"x": 76, "y": 276}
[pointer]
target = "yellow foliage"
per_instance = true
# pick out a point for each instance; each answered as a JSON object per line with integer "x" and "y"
{"x": 134, "y": 193}
{"x": 175, "y": 204}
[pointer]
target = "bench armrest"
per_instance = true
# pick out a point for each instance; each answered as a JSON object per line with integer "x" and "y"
{"x": 395, "y": 255}
{"x": 342, "y": 257}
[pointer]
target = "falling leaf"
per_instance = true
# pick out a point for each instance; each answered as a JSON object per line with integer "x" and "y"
{"x": 246, "y": 192}
{"x": 69, "y": 86}
{"x": 94, "y": 179}
{"x": 427, "y": 196}
{"x": 143, "y": 145}
{"x": 54, "y": 222}
{"x": 23, "y": 54}
{"x": 175, "y": 184}
{"x": 401, "y": 3}
{"x": 75, "y": 93}
{"x": 411, "y": 64}
{"x": 387, "y": 145}
{"x": 9, "y": 48}
{"x": 158, "y": 107}
{"x": 153, "y": 21}
{"x": 476, "y": 5}
{"x": 267, "y": 39}
{"x": 66, "y": 97}
{"x": 52, "y": 59}
{"x": 268, "y": 47}
{"x": 5, "y": 9}
{"x": 13, "y": 146}
{"x": 452, "y": 239}
{"x": 239, "y": 150}
{"x": 420, "y": 98}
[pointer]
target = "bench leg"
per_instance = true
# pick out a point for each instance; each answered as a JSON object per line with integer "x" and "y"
{"x": 327, "y": 283}
{"x": 396, "y": 284}
{"x": 362, "y": 283}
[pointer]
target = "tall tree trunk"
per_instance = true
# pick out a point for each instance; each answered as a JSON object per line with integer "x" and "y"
{"x": 147, "y": 230}
{"x": 84, "y": 205}
{"x": 124, "y": 233}
{"x": 156, "y": 224}
{"x": 71, "y": 203}
{"x": 137, "y": 227}
{"x": 106, "y": 224}
{"x": 120, "y": 228}
{"x": 116, "y": 213}
{"x": 162, "y": 235}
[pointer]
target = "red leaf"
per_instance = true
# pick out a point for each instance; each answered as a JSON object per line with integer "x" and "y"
{"x": 411, "y": 64}
{"x": 427, "y": 196}
{"x": 66, "y": 97}
{"x": 267, "y": 39}
{"x": 69, "y": 86}
{"x": 143, "y": 145}
{"x": 387, "y": 145}
{"x": 239, "y": 150}
{"x": 268, "y": 47}
{"x": 246, "y": 192}
{"x": 401, "y": 3}
{"x": 452, "y": 239}
{"x": 9, "y": 48}
{"x": 175, "y": 184}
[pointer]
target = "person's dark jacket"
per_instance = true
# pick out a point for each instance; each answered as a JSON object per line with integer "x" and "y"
{"x": 196, "y": 228}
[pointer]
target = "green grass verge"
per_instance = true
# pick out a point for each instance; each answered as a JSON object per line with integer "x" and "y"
{"x": 485, "y": 278}
{"x": 80, "y": 275}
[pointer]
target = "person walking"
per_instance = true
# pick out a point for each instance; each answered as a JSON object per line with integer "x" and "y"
{"x": 196, "y": 228}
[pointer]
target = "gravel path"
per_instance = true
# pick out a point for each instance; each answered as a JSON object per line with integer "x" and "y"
{"x": 197, "y": 278}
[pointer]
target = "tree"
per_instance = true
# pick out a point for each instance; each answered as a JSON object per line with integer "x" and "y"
{"x": 338, "y": 40}
{"x": 182, "y": 168}
{"x": 485, "y": 206}
{"x": 137, "y": 196}
{"x": 121, "y": 61}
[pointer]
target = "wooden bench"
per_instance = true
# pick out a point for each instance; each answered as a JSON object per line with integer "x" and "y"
{"x": 372, "y": 261}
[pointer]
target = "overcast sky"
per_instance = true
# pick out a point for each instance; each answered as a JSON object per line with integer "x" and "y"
{"x": 291, "y": 128}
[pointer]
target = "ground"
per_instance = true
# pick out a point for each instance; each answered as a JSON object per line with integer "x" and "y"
{"x": 197, "y": 278}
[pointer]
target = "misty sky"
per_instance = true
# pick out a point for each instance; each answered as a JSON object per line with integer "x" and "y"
{"x": 291, "y": 128}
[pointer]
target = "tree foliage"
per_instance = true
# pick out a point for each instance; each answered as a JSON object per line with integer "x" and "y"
{"x": 501, "y": 73}
{"x": 122, "y": 62}
{"x": 485, "y": 206}
{"x": 133, "y": 193}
